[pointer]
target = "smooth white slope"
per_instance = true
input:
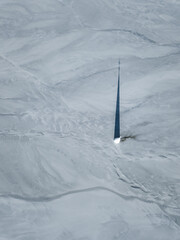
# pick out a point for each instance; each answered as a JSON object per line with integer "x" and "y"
{"x": 58, "y": 79}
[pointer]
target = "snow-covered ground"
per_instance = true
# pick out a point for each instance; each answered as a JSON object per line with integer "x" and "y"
{"x": 61, "y": 175}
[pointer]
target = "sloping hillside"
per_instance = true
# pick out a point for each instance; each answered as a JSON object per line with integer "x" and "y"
{"x": 61, "y": 176}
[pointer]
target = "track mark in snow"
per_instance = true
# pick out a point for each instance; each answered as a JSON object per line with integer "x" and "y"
{"x": 22, "y": 70}
{"x": 124, "y": 179}
{"x": 87, "y": 76}
{"x": 12, "y": 114}
{"x": 97, "y": 188}
{"x": 137, "y": 34}
{"x": 56, "y": 197}
{"x": 91, "y": 189}
{"x": 139, "y": 188}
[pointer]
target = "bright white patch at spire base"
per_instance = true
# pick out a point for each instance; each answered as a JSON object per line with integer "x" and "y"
{"x": 117, "y": 140}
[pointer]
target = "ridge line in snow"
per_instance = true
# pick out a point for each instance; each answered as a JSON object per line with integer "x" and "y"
{"x": 90, "y": 189}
